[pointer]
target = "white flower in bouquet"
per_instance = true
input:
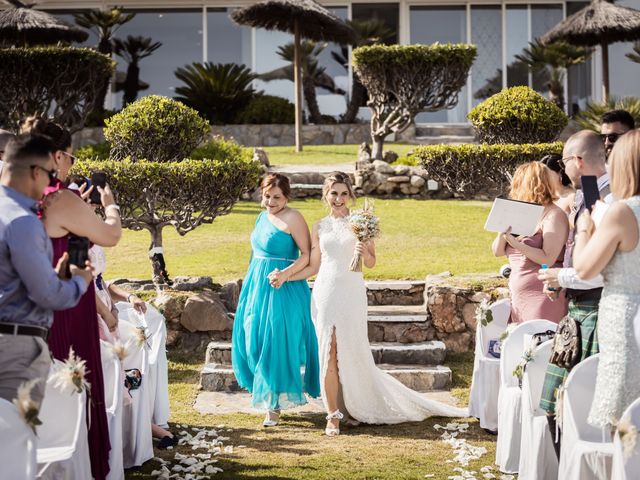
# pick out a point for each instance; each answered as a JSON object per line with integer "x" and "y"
{"x": 72, "y": 373}
{"x": 365, "y": 226}
{"x": 26, "y": 406}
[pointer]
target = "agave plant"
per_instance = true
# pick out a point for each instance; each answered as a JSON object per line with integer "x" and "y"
{"x": 313, "y": 75}
{"x": 218, "y": 91}
{"x": 591, "y": 117}
{"x": 132, "y": 50}
{"x": 369, "y": 32}
{"x": 554, "y": 59}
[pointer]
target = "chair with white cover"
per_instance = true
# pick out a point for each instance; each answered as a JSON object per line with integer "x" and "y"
{"x": 485, "y": 383}
{"x": 158, "y": 376}
{"x": 137, "y": 442}
{"x": 510, "y": 396}
{"x": 626, "y": 445}
{"x": 18, "y": 452}
{"x": 538, "y": 458}
{"x": 63, "y": 450}
{"x": 587, "y": 451}
{"x": 113, "y": 391}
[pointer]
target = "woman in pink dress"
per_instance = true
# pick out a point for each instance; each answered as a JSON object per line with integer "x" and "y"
{"x": 63, "y": 213}
{"x": 532, "y": 182}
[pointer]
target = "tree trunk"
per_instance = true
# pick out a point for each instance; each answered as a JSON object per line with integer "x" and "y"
{"x": 376, "y": 148}
{"x": 358, "y": 95}
{"x": 310, "y": 99}
{"x": 296, "y": 84}
{"x": 156, "y": 255}
{"x": 131, "y": 84}
{"x": 97, "y": 109}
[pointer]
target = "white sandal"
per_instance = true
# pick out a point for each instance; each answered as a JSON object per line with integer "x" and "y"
{"x": 330, "y": 431}
{"x": 268, "y": 421}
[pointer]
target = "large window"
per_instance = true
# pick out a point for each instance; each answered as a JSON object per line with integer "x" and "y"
{"x": 389, "y": 13}
{"x": 517, "y": 35}
{"x": 486, "y": 34}
{"x": 444, "y": 25}
{"x": 227, "y": 42}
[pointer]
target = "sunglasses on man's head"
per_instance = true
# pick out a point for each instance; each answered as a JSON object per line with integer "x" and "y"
{"x": 612, "y": 137}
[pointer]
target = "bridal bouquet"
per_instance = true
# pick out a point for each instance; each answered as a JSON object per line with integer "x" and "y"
{"x": 365, "y": 226}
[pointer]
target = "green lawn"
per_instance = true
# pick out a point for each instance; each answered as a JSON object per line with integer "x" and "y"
{"x": 419, "y": 237}
{"x": 325, "y": 154}
{"x": 298, "y": 449}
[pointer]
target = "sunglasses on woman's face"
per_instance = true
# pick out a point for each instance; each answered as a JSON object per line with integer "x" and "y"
{"x": 612, "y": 137}
{"x": 53, "y": 174}
{"x": 73, "y": 158}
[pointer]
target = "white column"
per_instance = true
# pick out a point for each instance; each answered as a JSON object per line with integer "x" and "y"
{"x": 404, "y": 23}
{"x": 205, "y": 36}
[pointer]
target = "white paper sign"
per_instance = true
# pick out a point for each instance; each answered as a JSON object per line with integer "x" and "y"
{"x": 522, "y": 217}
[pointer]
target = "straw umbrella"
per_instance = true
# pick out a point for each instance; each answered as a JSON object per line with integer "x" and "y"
{"x": 302, "y": 18}
{"x": 599, "y": 23}
{"x": 25, "y": 26}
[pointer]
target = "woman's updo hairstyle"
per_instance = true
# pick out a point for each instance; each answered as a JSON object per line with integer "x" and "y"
{"x": 334, "y": 178}
{"x": 41, "y": 126}
{"x": 276, "y": 180}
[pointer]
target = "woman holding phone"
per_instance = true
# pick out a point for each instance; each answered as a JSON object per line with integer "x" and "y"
{"x": 65, "y": 213}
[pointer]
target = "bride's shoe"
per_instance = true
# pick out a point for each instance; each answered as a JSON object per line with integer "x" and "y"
{"x": 269, "y": 420}
{"x": 330, "y": 431}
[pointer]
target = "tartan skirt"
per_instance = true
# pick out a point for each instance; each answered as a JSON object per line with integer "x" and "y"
{"x": 585, "y": 313}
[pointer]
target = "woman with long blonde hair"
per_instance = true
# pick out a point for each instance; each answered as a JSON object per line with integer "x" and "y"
{"x": 532, "y": 182}
{"x": 353, "y": 388}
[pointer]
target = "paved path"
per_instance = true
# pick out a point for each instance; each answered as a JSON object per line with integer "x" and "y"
{"x": 341, "y": 167}
{"x": 221, "y": 403}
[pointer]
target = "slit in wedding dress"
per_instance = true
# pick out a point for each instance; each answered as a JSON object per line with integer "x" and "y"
{"x": 325, "y": 367}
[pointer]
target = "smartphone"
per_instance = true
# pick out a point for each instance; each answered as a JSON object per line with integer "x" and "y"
{"x": 98, "y": 179}
{"x": 78, "y": 249}
{"x": 590, "y": 190}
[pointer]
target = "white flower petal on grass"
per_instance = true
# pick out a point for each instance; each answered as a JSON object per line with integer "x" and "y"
{"x": 228, "y": 449}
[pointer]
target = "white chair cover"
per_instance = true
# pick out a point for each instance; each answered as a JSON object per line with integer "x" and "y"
{"x": 137, "y": 443}
{"x": 509, "y": 398}
{"x": 113, "y": 391}
{"x": 485, "y": 383}
{"x": 63, "y": 450}
{"x": 627, "y": 468}
{"x": 587, "y": 451}
{"x": 538, "y": 458}
{"x": 158, "y": 376}
{"x": 18, "y": 451}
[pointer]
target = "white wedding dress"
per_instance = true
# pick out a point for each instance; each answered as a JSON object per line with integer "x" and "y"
{"x": 339, "y": 301}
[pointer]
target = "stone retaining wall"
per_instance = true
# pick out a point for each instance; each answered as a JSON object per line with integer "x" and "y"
{"x": 380, "y": 178}
{"x": 198, "y": 311}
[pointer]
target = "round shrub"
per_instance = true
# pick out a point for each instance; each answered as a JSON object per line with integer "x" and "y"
{"x": 97, "y": 151}
{"x": 517, "y": 115}
{"x": 265, "y": 109}
{"x": 155, "y": 128}
{"x": 470, "y": 170}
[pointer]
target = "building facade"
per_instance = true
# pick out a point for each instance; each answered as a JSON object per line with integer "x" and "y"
{"x": 196, "y": 31}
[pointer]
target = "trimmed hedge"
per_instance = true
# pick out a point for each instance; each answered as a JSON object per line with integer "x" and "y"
{"x": 97, "y": 151}
{"x": 155, "y": 128}
{"x": 470, "y": 170}
{"x": 265, "y": 109}
{"x": 60, "y": 82}
{"x": 517, "y": 115}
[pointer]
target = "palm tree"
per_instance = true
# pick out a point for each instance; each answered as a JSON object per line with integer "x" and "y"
{"x": 104, "y": 24}
{"x": 554, "y": 59}
{"x": 370, "y": 32}
{"x": 133, "y": 49}
{"x": 635, "y": 55}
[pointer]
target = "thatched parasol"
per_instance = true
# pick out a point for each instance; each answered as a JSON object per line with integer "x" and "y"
{"x": 302, "y": 18}
{"x": 25, "y": 26}
{"x": 599, "y": 23}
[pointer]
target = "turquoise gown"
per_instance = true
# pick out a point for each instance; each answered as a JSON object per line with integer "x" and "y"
{"x": 274, "y": 345}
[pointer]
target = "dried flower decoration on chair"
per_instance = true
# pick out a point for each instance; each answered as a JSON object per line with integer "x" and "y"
{"x": 26, "y": 406}
{"x": 484, "y": 315}
{"x": 72, "y": 373}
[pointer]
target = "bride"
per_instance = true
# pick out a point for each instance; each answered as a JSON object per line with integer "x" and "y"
{"x": 352, "y": 386}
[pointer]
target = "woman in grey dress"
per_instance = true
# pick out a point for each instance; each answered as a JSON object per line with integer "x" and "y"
{"x": 613, "y": 249}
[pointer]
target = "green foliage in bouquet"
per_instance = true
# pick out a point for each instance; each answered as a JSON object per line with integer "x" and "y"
{"x": 469, "y": 170}
{"x": 517, "y": 115}
{"x": 155, "y": 128}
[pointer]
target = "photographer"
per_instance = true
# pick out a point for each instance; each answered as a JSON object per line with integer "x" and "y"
{"x": 30, "y": 289}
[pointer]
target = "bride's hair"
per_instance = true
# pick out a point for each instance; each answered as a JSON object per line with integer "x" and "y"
{"x": 334, "y": 178}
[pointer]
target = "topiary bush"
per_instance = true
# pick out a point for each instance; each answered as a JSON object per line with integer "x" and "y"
{"x": 265, "y": 109}
{"x": 470, "y": 170}
{"x": 98, "y": 151}
{"x": 183, "y": 194}
{"x": 219, "y": 148}
{"x": 517, "y": 115}
{"x": 58, "y": 82}
{"x": 591, "y": 117}
{"x": 155, "y": 128}
{"x": 403, "y": 80}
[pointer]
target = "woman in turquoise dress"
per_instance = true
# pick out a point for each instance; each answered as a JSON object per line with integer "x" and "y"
{"x": 274, "y": 346}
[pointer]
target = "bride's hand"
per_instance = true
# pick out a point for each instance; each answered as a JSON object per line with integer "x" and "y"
{"x": 361, "y": 249}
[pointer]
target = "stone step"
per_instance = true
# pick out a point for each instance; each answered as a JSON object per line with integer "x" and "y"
{"x": 435, "y": 130}
{"x": 397, "y": 314}
{"x": 420, "y": 353}
{"x": 445, "y": 140}
{"x": 220, "y": 378}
